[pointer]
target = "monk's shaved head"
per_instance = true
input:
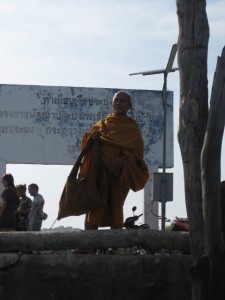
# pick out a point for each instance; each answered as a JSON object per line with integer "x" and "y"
{"x": 125, "y": 95}
{"x": 121, "y": 103}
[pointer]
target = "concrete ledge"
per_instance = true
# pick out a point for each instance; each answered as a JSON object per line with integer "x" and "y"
{"x": 48, "y": 240}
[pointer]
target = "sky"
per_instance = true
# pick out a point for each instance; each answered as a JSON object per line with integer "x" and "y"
{"x": 96, "y": 43}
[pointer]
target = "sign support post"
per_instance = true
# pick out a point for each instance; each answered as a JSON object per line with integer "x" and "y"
{"x": 164, "y": 100}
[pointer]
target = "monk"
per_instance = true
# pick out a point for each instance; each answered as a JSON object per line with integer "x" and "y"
{"x": 121, "y": 162}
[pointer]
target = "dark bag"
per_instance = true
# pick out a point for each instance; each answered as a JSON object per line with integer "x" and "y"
{"x": 22, "y": 222}
{"x": 80, "y": 196}
{"x": 43, "y": 216}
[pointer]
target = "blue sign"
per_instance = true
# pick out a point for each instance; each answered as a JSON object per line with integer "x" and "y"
{"x": 45, "y": 124}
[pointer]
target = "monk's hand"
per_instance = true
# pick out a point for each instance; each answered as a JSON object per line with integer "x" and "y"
{"x": 117, "y": 164}
{"x": 95, "y": 134}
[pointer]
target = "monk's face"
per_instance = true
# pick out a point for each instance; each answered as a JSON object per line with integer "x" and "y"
{"x": 121, "y": 103}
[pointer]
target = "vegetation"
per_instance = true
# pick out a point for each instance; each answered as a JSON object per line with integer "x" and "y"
{"x": 60, "y": 228}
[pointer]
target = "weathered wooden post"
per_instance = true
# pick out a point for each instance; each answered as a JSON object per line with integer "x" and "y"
{"x": 200, "y": 139}
{"x": 211, "y": 187}
{"x": 192, "y": 62}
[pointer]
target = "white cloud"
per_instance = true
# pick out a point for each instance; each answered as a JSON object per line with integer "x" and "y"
{"x": 78, "y": 34}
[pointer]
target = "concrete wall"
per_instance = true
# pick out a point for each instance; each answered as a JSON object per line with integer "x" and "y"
{"x": 57, "y": 274}
{"x": 68, "y": 276}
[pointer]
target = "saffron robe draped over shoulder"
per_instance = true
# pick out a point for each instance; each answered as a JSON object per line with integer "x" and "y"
{"x": 120, "y": 137}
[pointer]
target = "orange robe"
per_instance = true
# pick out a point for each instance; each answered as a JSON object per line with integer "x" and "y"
{"x": 120, "y": 137}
